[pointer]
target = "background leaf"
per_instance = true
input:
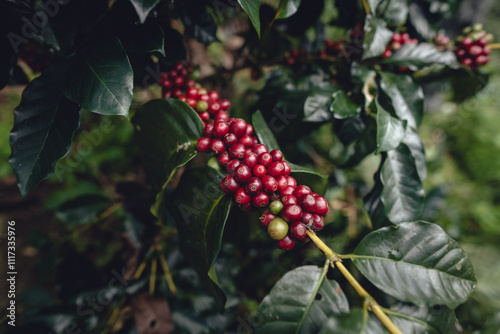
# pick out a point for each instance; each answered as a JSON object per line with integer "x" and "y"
{"x": 102, "y": 78}
{"x": 356, "y": 322}
{"x": 394, "y": 12}
{"x": 390, "y": 130}
{"x": 252, "y": 8}
{"x": 416, "y": 262}
{"x": 414, "y": 143}
{"x": 420, "y": 55}
{"x": 143, "y": 7}
{"x": 423, "y": 320}
{"x": 403, "y": 194}
{"x": 289, "y": 9}
{"x": 167, "y": 131}
{"x": 82, "y": 209}
{"x": 44, "y": 123}
{"x": 286, "y": 304}
{"x": 342, "y": 106}
{"x": 317, "y": 102}
{"x": 377, "y": 36}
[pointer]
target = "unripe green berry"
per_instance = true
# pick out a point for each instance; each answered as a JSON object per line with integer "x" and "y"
{"x": 477, "y": 27}
{"x": 201, "y": 106}
{"x": 275, "y": 207}
{"x": 214, "y": 163}
{"x": 277, "y": 229}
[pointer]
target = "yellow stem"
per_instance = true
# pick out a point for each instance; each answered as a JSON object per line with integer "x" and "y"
{"x": 152, "y": 276}
{"x": 367, "y": 7}
{"x": 371, "y": 303}
{"x": 139, "y": 270}
{"x": 168, "y": 275}
{"x": 494, "y": 46}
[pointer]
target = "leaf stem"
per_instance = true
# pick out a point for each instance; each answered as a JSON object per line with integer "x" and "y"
{"x": 168, "y": 275}
{"x": 494, "y": 46}
{"x": 367, "y": 7}
{"x": 152, "y": 276}
{"x": 372, "y": 305}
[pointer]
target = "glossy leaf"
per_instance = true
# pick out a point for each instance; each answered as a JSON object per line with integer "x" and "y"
{"x": 144, "y": 7}
{"x": 290, "y": 7}
{"x": 82, "y": 209}
{"x": 423, "y": 320}
{"x": 318, "y": 101}
{"x": 102, "y": 78}
{"x": 374, "y": 206}
{"x": 263, "y": 132}
{"x": 252, "y": 8}
{"x": 200, "y": 210}
{"x": 416, "y": 262}
{"x": 413, "y": 141}
{"x": 420, "y": 55}
{"x": 300, "y": 302}
{"x": 403, "y": 194}
{"x": 390, "y": 130}
{"x": 356, "y": 322}
{"x": 44, "y": 123}
{"x": 394, "y": 12}
{"x": 406, "y": 97}
{"x": 343, "y": 107}
{"x": 377, "y": 36}
{"x": 167, "y": 131}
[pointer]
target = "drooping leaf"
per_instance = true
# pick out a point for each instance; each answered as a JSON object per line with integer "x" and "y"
{"x": 44, "y": 123}
{"x": 167, "y": 131}
{"x": 416, "y": 262}
{"x": 316, "y": 105}
{"x": 420, "y": 55}
{"x": 102, "y": 78}
{"x": 356, "y": 322}
{"x": 390, "y": 130}
{"x": 423, "y": 320}
{"x": 252, "y": 8}
{"x": 300, "y": 302}
{"x": 263, "y": 132}
{"x": 377, "y": 36}
{"x": 82, "y": 209}
{"x": 374, "y": 206}
{"x": 419, "y": 18}
{"x": 343, "y": 107}
{"x": 200, "y": 210}
{"x": 414, "y": 143}
{"x": 290, "y": 7}
{"x": 407, "y": 97}
{"x": 403, "y": 194}
{"x": 144, "y": 7}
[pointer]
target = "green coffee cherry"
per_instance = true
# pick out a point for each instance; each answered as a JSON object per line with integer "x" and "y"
{"x": 277, "y": 229}
{"x": 275, "y": 207}
{"x": 214, "y": 163}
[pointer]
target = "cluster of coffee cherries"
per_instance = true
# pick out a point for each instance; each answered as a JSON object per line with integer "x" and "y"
{"x": 471, "y": 48}
{"x": 397, "y": 41}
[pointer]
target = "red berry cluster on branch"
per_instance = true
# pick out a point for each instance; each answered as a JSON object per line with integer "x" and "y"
{"x": 256, "y": 177}
{"x": 397, "y": 41}
{"x": 471, "y": 48}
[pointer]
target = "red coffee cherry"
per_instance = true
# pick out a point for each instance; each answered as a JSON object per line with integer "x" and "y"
{"x": 259, "y": 149}
{"x": 265, "y": 159}
{"x": 289, "y": 200}
{"x": 221, "y": 116}
{"x": 246, "y": 207}
{"x": 225, "y": 104}
{"x": 221, "y": 128}
{"x": 178, "y": 81}
{"x": 214, "y": 96}
{"x": 301, "y": 190}
{"x": 308, "y": 203}
{"x": 291, "y": 213}
{"x": 242, "y": 173}
{"x": 230, "y": 139}
{"x": 291, "y": 181}
{"x": 286, "y": 243}
{"x": 214, "y": 108}
{"x": 177, "y": 92}
{"x": 260, "y": 200}
{"x": 266, "y": 218}
{"x": 275, "y": 169}
{"x": 203, "y": 144}
{"x": 259, "y": 171}
{"x": 250, "y": 159}
{"x": 167, "y": 84}
{"x": 203, "y": 97}
{"x": 232, "y": 165}
{"x": 249, "y": 130}
{"x": 241, "y": 197}
{"x": 237, "y": 151}
{"x": 269, "y": 184}
{"x": 321, "y": 205}
{"x": 224, "y": 158}
{"x": 230, "y": 184}
{"x": 475, "y": 50}
{"x": 288, "y": 190}
{"x": 238, "y": 127}
{"x": 192, "y": 93}
{"x": 287, "y": 170}
{"x": 277, "y": 155}
{"x": 298, "y": 230}
{"x": 253, "y": 185}
{"x": 282, "y": 182}
{"x": 318, "y": 222}
{"x": 307, "y": 218}
{"x": 217, "y": 146}
{"x": 205, "y": 116}
{"x": 467, "y": 42}
{"x": 247, "y": 141}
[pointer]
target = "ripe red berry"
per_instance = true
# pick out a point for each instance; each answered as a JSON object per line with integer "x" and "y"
{"x": 396, "y": 37}
{"x": 275, "y": 169}
{"x": 239, "y": 127}
{"x": 214, "y": 108}
{"x": 301, "y": 190}
{"x": 203, "y": 97}
{"x": 191, "y": 102}
{"x": 286, "y": 243}
{"x": 249, "y": 130}
{"x": 288, "y": 190}
{"x": 225, "y": 105}
{"x": 265, "y": 159}
{"x": 179, "y": 81}
{"x": 269, "y": 184}
{"x": 205, "y": 116}
{"x": 217, "y": 146}
{"x": 318, "y": 222}
{"x": 298, "y": 230}
{"x": 232, "y": 165}
{"x": 224, "y": 158}
{"x": 321, "y": 205}
{"x": 192, "y": 93}
{"x": 387, "y": 53}
{"x": 475, "y": 50}
{"x": 282, "y": 182}
{"x": 201, "y": 106}
{"x": 461, "y": 53}
{"x": 307, "y": 218}
{"x": 221, "y": 116}
{"x": 308, "y": 203}
{"x": 246, "y": 140}
{"x": 253, "y": 185}
{"x": 237, "y": 151}
{"x": 287, "y": 170}
{"x": 482, "y": 60}
{"x": 183, "y": 98}
{"x": 177, "y": 92}
{"x": 242, "y": 173}
{"x": 241, "y": 197}
{"x": 291, "y": 213}
{"x": 214, "y": 96}
{"x": 167, "y": 84}
{"x": 266, "y": 218}
{"x": 190, "y": 83}
{"x": 277, "y": 155}
{"x": 230, "y": 139}
{"x": 260, "y": 200}
{"x": 466, "y": 42}
{"x": 291, "y": 181}
{"x": 486, "y": 51}
{"x": 246, "y": 207}
{"x": 221, "y": 128}
{"x": 167, "y": 94}
{"x": 179, "y": 66}
{"x": 466, "y": 61}
{"x": 209, "y": 130}
{"x": 289, "y": 200}
{"x": 230, "y": 184}
{"x": 250, "y": 159}
{"x": 259, "y": 170}
{"x": 259, "y": 149}
{"x": 405, "y": 38}
{"x": 203, "y": 144}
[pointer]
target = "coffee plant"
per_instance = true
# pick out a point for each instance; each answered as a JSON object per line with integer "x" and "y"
{"x": 219, "y": 202}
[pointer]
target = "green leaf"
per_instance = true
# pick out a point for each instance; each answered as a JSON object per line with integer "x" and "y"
{"x": 316, "y": 181}
{"x": 102, "y": 78}
{"x": 343, "y": 107}
{"x": 290, "y": 8}
{"x": 377, "y": 36}
{"x": 199, "y": 24}
{"x": 406, "y": 96}
{"x": 394, "y": 12}
{"x": 374, "y": 206}
{"x": 252, "y": 8}
{"x": 416, "y": 262}
{"x": 403, "y": 194}
{"x": 44, "y": 123}
{"x": 82, "y": 209}
{"x": 300, "y": 302}
{"x": 167, "y": 131}
{"x": 356, "y": 322}
{"x": 263, "y": 132}
{"x": 317, "y": 102}
{"x": 420, "y": 55}
{"x": 200, "y": 210}
{"x": 143, "y": 7}
{"x": 133, "y": 39}
{"x": 423, "y": 320}
{"x": 390, "y": 130}
{"x": 414, "y": 143}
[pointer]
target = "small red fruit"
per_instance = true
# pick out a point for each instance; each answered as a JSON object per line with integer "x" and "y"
{"x": 230, "y": 184}
{"x": 259, "y": 149}
{"x": 239, "y": 127}
{"x": 242, "y": 173}
{"x": 289, "y": 200}
{"x": 277, "y": 155}
{"x": 203, "y": 144}
{"x": 298, "y": 230}
{"x": 232, "y": 165}
{"x": 259, "y": 171}
{"x": 269, "y": 184}
{"x": 250, "y": 159}
{"x": 282, "y": 182}
{"x": 266, "y": 218}
{"x": 265, "y": 159}
{"x": 318, "y": 222}
{"x": 275, "y": 169}
{"x": 241, "y": 197}
{"x": 301, "y": 190}
{"x": 321, "y": 205}
{"x": 308, "y": 203}
{"x": 286, "y": 243}
{"x": 237, "y": 151}
{"x": 288, "y": 190}
{"x": 253, "y": 185}
{"x": 260, "y": 200}
{"x": 225, "y": 104}
{"x": 230, "y": 139}
{"x": 291, "y": 213}
{"x": 221, "y": 128}
{"x": 224, "y": 158}
{"x": 217, "y": 146}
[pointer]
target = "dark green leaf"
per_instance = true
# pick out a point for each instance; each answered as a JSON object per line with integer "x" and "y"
{"x": 414, "y": 143}
{"x": 167, "y": 131}
{"x": 419, "y": 18}
{"x": 289, "y": 9}
{"x": 300, "y": 302}
{"x": 364, "y": 144}
{"x": 82, "y": 209}
{"x": 390, "y": 130}
{"x": 420, "y": 55}
{"x": 423, "y": 320}
{"x": 200, "y": 210}
{"x": 343, "y": 107}
{"x": 356, "y": 322}
{"x": 374, "y": 206}
{"x": 316, "y": 105}
{"x": 394, "y": 12}
{"x": 416, "y": 262}
{"x": 406, "y": 97}
{"x": 102, "y": 78}
{"x": 377, "y": 36}
{"x": 403, "y": 194}
{"x": 133, "y": 39}
{"x": 199, "y": 24}
{"x": 316, "y": 181}
{"x": 252, "y": 8}
{"x": 143, "y": 7}
{"x": 263, "y": 132}
{"x": 44, "y": 123}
